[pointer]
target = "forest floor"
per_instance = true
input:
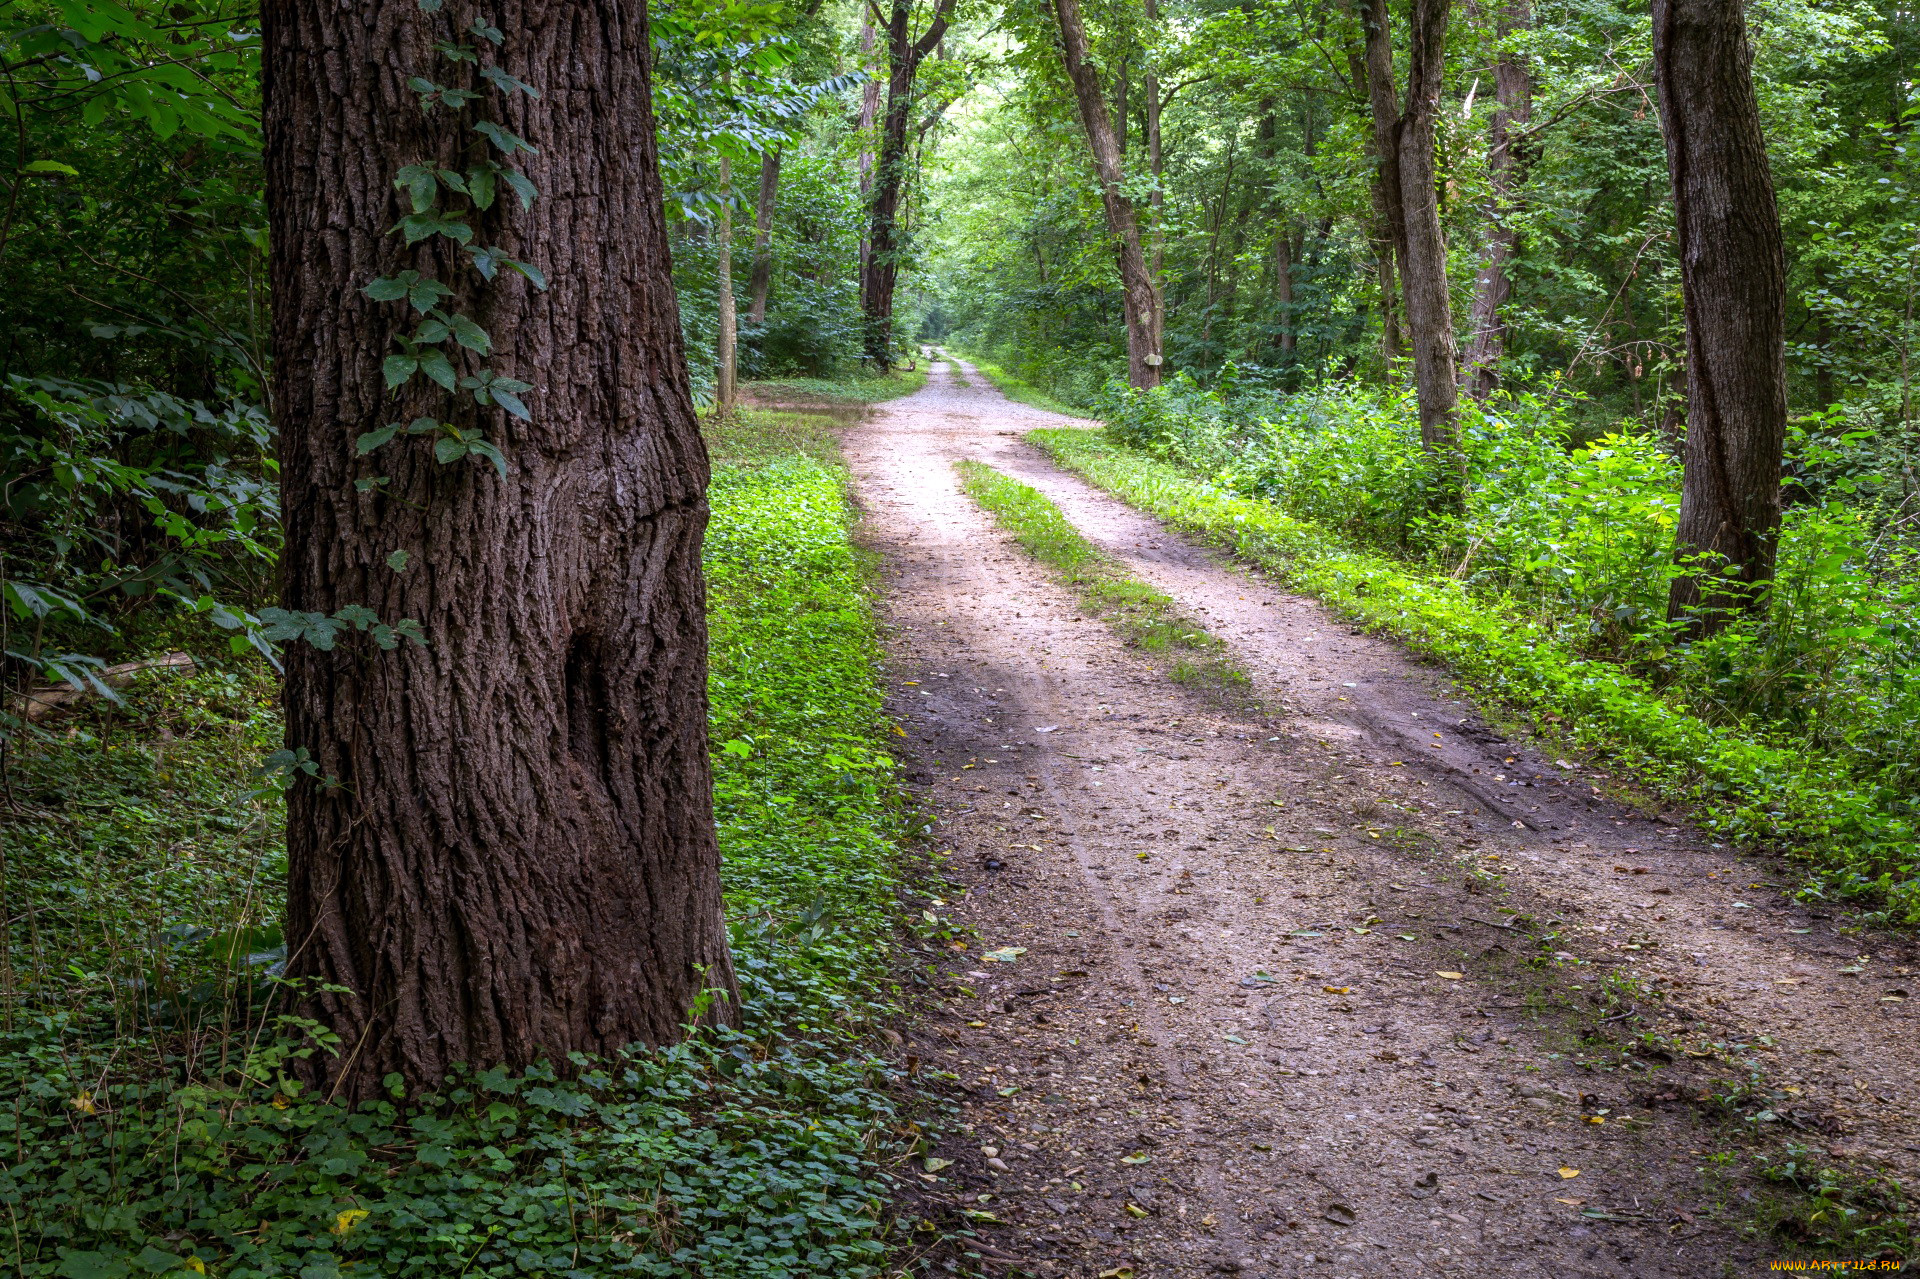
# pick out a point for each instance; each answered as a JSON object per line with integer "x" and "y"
{"x": 1338, "y": 978}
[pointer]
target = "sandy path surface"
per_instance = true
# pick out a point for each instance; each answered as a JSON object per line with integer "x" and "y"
{"x": 1267, "y": 1016}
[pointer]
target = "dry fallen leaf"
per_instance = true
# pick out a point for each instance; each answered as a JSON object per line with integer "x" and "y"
{"x": 1568, "y": 1173}
{"x": 1005, "y": 955}
{"x": 1450, "y": 976}
{"x": 935, "y": 1165}
{"x": 1338, "y": 990}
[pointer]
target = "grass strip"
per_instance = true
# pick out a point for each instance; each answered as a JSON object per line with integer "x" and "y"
{"x": 1145, "y": 617}
{"x": 870, "y": 388}
{"x": 1857, "y": 840}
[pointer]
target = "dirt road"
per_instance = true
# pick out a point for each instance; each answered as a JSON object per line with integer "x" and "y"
{"x": 1258, "y": 1005}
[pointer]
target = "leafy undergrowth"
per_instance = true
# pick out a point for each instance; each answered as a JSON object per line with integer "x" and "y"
{"x": 141, "y": 1047}
{"x": 1857, "y": 839}
{"x": 1145, "y": 616}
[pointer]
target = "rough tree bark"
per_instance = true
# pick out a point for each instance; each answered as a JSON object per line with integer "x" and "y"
{"x": 760, "y": 281}
{"x": 1151, "y": 106}
{"x": 518, "y": 859}
{"x": 1136, "y": 281}
{"x": 881, "y": 271}
{"x": 1506, "y": 170}
{"x": 1733, "y": 279}
{"x": 1413, "y": 207}
{"x": 869, "y": 112}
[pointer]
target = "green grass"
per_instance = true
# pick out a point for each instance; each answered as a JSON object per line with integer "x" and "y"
{"x": 1144, "y": 616}
{"x": 1020, "y": 392}
{"x": 152, "y": 1130}
{"x": 1850, "y": 837}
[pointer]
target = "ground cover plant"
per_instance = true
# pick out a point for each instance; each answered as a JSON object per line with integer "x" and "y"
{"x": 157, "y": 1128}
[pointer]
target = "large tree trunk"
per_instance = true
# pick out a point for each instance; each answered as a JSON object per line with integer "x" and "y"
{"x": 1506, "y": 170}
{"x": 507, "y": 852}
{"x": 1283, "y": 262}
{"x": 1136, "y": 281}
{"x": 881, "y": 271}
{"x": 1733, "y": 277}
{"x": 760, "y": 283}
{"x": 1412, "y": 204}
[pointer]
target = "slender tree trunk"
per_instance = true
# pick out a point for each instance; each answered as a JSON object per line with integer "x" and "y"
{"x": 1156, "y": 200}
{"x": 726, "y": 346}
{"x": 1506, "y": 170}
{"x": 507, "y": 853}
{"x": 1373, "y": 70}
{"x": 1136, "y": 281}
{"x": 882, "y": 269}
{"x": 869, "y": 112}
{"x": 1283, "y": 257}
{"x": 760, "y": 283}
{"x": 1733, "y": 278}
{"x": 1423, "y": 278}
{"x": 1412, "y": 204}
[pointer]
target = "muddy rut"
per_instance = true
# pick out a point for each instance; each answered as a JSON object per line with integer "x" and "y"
{"x": 1256, "y": 1000}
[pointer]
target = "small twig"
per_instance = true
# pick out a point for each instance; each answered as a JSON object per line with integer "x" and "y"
{"x": 1631, "y": 1010}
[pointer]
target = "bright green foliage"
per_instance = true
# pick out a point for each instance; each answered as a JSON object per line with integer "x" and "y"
{"x": 1577, "y": 538}
{"x": 155, "y": 1130}
{"x": 1753, "y": 785}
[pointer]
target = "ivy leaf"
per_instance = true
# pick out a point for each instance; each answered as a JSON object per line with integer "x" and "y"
{"x": 430, "y": 6}
{"x": 510, "y": 401}
{"x": 508, "y": 143}
{"x": 435, "y": 366}
{"x": 410, "y": 628}
{"x": 421, "y": 184}
{"x": 424, "y": 294}
{"x": 522, "y": 186}
{"x": 455, "y": 52}
{"x": 397, "y": 561}
{"x": 398, "y": 368}
{"x": 422, "y": 426}
{"x": 449, "y": 449}
{"x": 374, "y": 439}
{"x": 358, "y": 616}
{"x": 418, "y": 226}
{"x": 532, "y": 272}
{"x": 452, "y": 180}
{"x": 391, "y": 289}
{"x": 470, "y": 335}
{"x": 480, "y": 185}
{"x": 500, "y": 80}
{"x": 487, "y": 32}
{"x": 433, "y": 330}
{"x": 483, "y": 448}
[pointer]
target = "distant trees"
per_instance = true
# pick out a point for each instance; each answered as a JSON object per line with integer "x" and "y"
{"x": 1733, "y": 275}
{"x": 500, "y": 838}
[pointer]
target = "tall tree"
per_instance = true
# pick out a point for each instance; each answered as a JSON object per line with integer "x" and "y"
{"x": 760, "y": 280}
{"x": 1136, "y": 280}
{"x": 506, "y": 850}
{"x": 1493, "y": 284}
{"x": 881, "y": 271}
{"x": 1733, "y": 279}
{"x": 1405, "y": 144}
{"x": 726, "y": 347}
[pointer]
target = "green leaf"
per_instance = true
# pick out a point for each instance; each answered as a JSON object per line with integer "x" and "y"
{"x": 420, "y": 183}
{"x": 435, "y": 366}
{"x": 432, "y": 331}
{"x": 470, "y": 335}
{"x": 448, "y": 449}
{"x": 393, "y": 289}
{"x": 374, "y": 439}
{"x": 512, "y": 404}
{"x": 509, "y": 143}
{"x": 397, "y": 561}
{"x": 480, "y": 185}
{"x": 67, "y": 170}
{"x": 500, "y": 80}
{"x": 521, "y": 185}
{"x": 484, "y": 448}
{"x": 398, "y": 368}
